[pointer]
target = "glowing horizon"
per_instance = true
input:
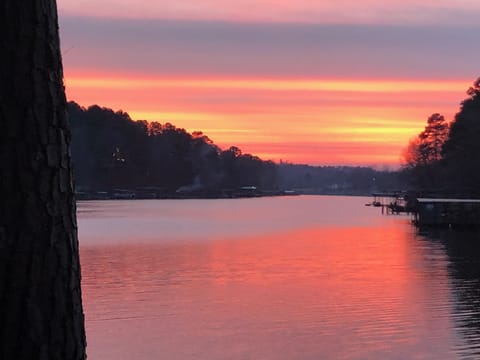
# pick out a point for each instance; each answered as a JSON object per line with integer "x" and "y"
{"x": 369, "y": 133}
{"x": 301, "y": 82}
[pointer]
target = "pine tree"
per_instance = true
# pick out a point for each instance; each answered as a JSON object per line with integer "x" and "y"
{"x": 41, "y": 312}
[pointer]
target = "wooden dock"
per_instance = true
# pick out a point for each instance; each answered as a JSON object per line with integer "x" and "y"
{"x": 432, "y": 212}
{"x": 389, "y": 202}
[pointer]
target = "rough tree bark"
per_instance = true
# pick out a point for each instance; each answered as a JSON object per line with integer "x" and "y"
{"x": 41, "y": 314}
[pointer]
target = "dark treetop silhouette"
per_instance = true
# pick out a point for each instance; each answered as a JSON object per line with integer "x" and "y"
{"x": 446, "y": 159}
{"x": 41, "y": 312}
{"x": 111, "y": 151}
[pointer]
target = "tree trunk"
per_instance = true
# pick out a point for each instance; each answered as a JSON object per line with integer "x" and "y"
{"x": 41, "y": 314}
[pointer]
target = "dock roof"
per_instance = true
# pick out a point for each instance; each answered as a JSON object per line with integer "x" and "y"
{"x": 433, "y": 200}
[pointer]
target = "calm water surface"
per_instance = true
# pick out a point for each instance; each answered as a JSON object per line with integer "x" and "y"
{"x": 305, "y": 277}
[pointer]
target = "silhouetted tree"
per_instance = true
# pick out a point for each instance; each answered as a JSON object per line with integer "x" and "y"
{"x": 41, "y": 312}
{"x": 426, "y": 148}
{"x": 111, "y": 151}
{"x": 155, "y": 155}
{"x": 423, "y": 154}
{"x": 448, "y": 158}
{"x": 461, "y": 151}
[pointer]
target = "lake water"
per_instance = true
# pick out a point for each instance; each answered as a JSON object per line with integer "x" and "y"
{"x": 305, "y": 277}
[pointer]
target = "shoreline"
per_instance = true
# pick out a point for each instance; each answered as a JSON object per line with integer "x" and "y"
{"x": 212, "y": 196}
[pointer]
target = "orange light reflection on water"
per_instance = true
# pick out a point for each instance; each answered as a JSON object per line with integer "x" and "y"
{"x": 331, "y": 281}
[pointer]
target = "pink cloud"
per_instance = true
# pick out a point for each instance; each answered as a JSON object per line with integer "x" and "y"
{"x": 346, "y": 11}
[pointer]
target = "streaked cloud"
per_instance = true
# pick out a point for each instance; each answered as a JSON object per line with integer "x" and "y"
{"x": 299, "y": 11}
{"x": 259, "y": 115}
{"x": 269, "y": 50}
{"x": 358, "y": 86}
{"x": 331, "y": 153}
{"x": 312, "y": 91}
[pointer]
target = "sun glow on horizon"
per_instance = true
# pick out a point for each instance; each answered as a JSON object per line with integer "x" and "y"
{"x": 317, "y": 121}
{"x": 347, "y": 82}
{"x": 337, "y": 85}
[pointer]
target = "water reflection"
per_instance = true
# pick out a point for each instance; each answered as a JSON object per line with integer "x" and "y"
{"x": 463, "y": 251}
{"x": 360, "y": 286}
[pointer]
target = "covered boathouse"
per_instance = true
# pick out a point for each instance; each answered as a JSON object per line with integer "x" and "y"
{"x": 447, "y": 212}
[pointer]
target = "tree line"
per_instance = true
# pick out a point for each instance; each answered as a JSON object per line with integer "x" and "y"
{"x": 339, "y": 180}
{"x": 445, "y": 157}
{"x": 111, "y": 151}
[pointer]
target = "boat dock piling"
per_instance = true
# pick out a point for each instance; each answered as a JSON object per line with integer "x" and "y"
{"x": 390, "y": 202}
{"x": 431, "y": 212}
{"x": 447, "y": 212}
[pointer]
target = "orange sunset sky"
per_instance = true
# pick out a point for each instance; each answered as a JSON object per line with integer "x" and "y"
{"x": 321, "y": 82}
